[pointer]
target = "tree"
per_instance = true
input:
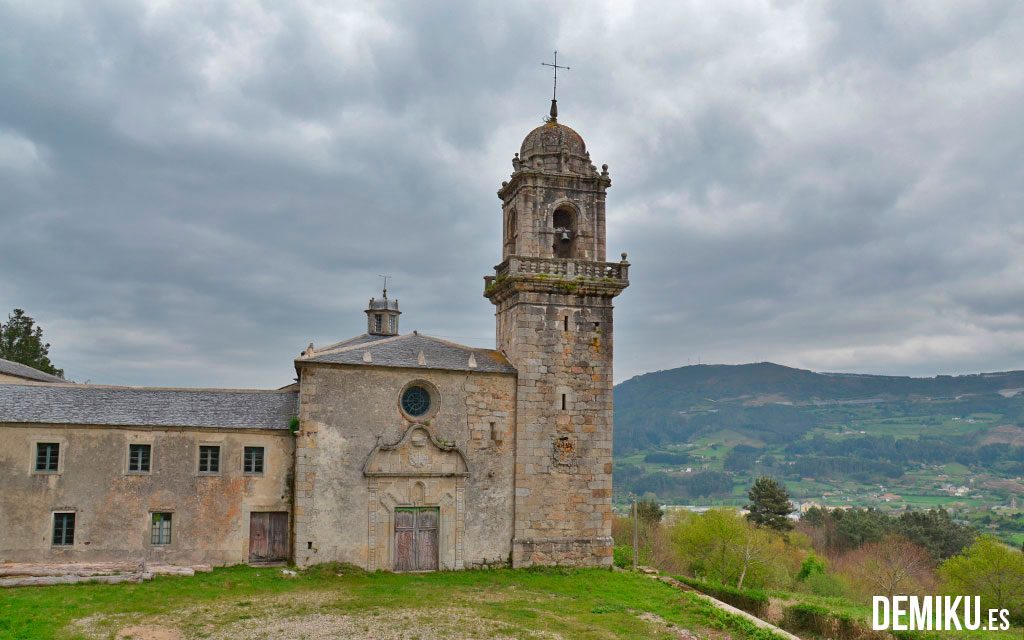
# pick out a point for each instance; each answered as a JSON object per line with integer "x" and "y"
{"x": 892, "y": 566}
{"x": 649, "y": 511}
{"x": 769, "y": 504}
{"x": 936, "y": 531}
{"x": 990, "y": 569}
{"x": 721, "y": 546}
{"x": 21, "y": 340}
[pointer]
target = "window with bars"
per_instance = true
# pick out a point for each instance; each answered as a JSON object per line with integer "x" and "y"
{"x": 209, "y": 459}
{"x": 253, "y": 460}
{"x": 139, "y": 457}
{"x": 47, "y": 456}
{"x": 160, "y": 530}
{"x": 63, "y": 529}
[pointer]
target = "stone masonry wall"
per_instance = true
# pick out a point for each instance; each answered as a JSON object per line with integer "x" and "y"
{"x": 343, "y": 412}
{"x": 563, "y": 452}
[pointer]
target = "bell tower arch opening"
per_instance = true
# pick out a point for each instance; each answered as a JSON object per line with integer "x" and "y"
{"x": 564, "y": 223}
{"x": 511, "y": 233}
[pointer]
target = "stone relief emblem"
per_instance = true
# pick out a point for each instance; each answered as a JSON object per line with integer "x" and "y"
{"x": 418, "y": 458}
{"x": 563, "y": 451}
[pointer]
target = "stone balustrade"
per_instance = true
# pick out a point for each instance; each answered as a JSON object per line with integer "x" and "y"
{"x": 563, "y": 267}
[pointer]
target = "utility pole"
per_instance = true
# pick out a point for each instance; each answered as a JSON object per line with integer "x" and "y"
{"x": 636, "y": 532}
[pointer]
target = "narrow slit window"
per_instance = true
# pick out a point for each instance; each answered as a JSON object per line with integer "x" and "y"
{"x": 139, "y": 457}
{"x": 209, "y": 459}
{"x": 253, "y": 460}
{"x": 160, "y": 529}
{"x": 63, "y": 529}
{"x": 563, "y": 402}
{"x": 565, "y": 325}
{"x": 47, "y": 456}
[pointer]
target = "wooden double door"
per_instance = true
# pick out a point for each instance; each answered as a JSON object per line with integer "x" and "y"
{"x": 268, "y": 536}
{"x": 416, "y": 531}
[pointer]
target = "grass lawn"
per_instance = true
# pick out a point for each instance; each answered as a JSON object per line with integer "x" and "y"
{"x": 336, "y": 602}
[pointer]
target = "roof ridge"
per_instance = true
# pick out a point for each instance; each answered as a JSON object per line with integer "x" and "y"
{"x": 340, "y": 343}
{"x": 75, "y": 385}
{"x": 353, "y": 347}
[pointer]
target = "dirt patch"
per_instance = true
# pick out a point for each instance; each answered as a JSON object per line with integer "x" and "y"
{"x": 148, "y": 632}
{"x": 218, "y": 623}
{"x": 679, "y": 632}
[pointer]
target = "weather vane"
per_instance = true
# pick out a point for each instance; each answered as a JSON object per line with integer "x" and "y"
{"x": 385, "y": 283}
{"x": 554, "y": 90}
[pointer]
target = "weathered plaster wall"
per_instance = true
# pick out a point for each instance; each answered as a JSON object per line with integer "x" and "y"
{"x": 345, "y": 409}
{"x": 211, "y": 512}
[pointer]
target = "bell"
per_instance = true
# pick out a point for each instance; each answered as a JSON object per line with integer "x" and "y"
{"x": 565, "y": 235}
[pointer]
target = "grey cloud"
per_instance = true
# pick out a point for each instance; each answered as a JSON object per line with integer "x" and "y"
{"x": 192, "y": 192}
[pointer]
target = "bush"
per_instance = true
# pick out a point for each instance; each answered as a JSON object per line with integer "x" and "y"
{"x": 827, "y": 585}
{"x": 820, "y": 621}
{"x": 812, "y": 565}
{"x": 753, "y": 601}
{"x": 622, "y": 556}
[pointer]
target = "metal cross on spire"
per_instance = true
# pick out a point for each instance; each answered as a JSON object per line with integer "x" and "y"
{"x": 554, "y": 89}
{"x": 385, "y": 284}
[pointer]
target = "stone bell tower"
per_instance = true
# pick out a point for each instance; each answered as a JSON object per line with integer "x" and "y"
{"x": 553, "y": 292}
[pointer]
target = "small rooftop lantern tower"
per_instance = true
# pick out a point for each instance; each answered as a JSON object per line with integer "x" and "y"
{"x": 382, "y": 315}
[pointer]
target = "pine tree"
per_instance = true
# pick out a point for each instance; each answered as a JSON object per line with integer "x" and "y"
{"x": 22, "y": 341}
{"x": 769, "y": 504}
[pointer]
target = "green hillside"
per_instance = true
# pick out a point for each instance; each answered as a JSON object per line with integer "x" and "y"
{"x": 700, "y": 434}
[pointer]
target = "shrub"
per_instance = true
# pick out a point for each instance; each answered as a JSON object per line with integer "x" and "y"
{"x": 812, "y": 565}
{"x": 753, "y": 601}
{"x": 827, "y": 585}
{"x": 819, "y": 621}
{"x": 622, "y": 556}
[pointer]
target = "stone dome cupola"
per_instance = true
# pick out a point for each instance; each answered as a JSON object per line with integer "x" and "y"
{"x": 555, "y": 148}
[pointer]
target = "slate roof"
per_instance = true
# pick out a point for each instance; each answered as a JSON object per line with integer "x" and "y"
{"x": 412, "y": 350}
{"x": 141, "y": 406}
{"x": 23, "y": 371}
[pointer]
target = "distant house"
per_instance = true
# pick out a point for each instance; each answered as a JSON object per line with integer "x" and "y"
{"x": 15, "y": 372}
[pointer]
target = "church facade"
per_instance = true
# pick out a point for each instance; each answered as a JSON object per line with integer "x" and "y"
{"x": 392, "y": 451}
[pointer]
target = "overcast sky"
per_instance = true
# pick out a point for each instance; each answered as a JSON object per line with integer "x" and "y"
{"x": 191, "y": 192}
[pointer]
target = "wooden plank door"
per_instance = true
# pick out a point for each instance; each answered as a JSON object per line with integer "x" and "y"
{"x": 268, "y": 536}
{"x": 259, "y": 538}
{"x": 405, "y": 539}
{"x": 426, "y": 539}
{"x": 416, "y": 539}
{"x": 278, "y": 536}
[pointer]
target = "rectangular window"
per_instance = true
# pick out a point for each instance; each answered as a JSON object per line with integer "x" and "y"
{"x": 209, "y": 459}
{"x": 160, "y": 531}
{"x": 63, "y": 529}
{"x": 253, "y": 461}
{"x": 378, "y": 322}
{"x": 139, "y": 456}
{"x": 47, "y": 456}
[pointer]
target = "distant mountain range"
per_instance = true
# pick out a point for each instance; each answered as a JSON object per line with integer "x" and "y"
{"x": 650, "y": 404}
{"x": 723, "y": 381}
{"x": 701, "y": 434}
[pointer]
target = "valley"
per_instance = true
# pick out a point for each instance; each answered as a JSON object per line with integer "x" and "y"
{"x": 699, "y": 435}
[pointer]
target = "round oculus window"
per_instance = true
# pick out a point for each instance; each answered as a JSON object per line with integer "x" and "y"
{"x": 416, "y": 401}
